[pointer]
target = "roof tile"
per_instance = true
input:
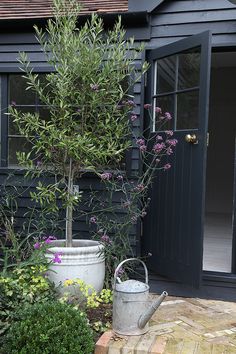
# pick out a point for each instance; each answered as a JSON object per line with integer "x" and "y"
{"x": 22, "y": 9}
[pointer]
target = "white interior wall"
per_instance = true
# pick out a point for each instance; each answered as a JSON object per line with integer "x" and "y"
{"x": 221, "y": 150}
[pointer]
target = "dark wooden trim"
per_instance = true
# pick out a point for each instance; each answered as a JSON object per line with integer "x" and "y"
{"x": 138, "y": 17}
{"x": 4, "y": 120}
{"x": 150, "y": 5}
{"x": 169, "y": 49}
{"x": 16, "y": 70}
{"x": 233, "y": 263}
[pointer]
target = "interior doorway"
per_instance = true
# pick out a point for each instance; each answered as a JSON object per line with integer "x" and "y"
{"x": 218, "y": 229}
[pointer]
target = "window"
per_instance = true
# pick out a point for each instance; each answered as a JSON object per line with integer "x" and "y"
{"x": 25, "y": 101}
{"x": 176, "y": 89}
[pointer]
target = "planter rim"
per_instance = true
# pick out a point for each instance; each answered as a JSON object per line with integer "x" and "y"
{"x": 88, "y": 245}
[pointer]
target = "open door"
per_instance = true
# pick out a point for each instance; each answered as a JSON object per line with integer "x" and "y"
{"x": 178, "y": 82}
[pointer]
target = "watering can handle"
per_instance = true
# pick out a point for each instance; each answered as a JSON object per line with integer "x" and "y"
{"x": 128, "y": 260}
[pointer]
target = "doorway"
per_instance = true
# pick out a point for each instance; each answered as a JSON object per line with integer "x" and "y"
{"x": 218, "y": 228}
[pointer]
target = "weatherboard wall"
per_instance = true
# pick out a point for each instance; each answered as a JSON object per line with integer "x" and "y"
{"x": 10, "y": 46}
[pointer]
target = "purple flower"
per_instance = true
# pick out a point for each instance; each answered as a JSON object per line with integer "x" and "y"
{"x": 105, "y": 238}
{"x": 168, "y": 116}
{"x": 120, "y": 272}
{"x": 158, "y": 110}
{"x": 157, "y": 148}
{"x": 159, "y": 138}
{"x": 120, "y": 178}
{"x": 48, "y": 241}
{"x": 167, "y": 166}
{"x": 147, "y": 106}
{"x": 140, "y": 142}
{"x": 144, "y": 213}
{"x": 172, "y": 142}
{"x": 169, "y": 151}
{"x": 57, "y": 257}
{"x": 93, "y": 220}
{"x": 39, "y": 163}
{"x": 127, "y": 203}
{"x": 37, "y": 246}
{"x": 13, "y": 103}
{"x": 129, "y": 103}
{"x": 94, "y": 87}
{"x": 140, "y": 187}
{"x": 143, "y": 148}
{"x": 106, "y": 176}
{"x": 169, "y": 132}
{"x": 158, "y": 160}
{"x": 133, "y": 117}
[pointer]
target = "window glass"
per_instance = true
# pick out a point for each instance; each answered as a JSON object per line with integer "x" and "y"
{"x": 25, "y": 101}
{"x": 12, "y": 127}
{"x": 166, "y": 69}
{"x": 187, "y": 110}
{"x": 44, "y": 113}
{"x": 166, "y": 103}
{"x": 18, "y": 93}
{"x": 176, "y": 87}
{"x": 16, "y": 144}
{"x": 188, "y": 70}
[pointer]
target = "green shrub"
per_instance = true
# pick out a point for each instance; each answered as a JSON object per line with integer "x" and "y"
{"x": 49, "y": 328}
{"x": 25, "y": 285}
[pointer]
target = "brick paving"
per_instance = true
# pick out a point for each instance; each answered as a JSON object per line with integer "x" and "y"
{"x": 181, "y": 326}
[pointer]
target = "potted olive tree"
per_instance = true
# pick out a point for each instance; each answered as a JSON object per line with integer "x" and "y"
{"x": 86, "y": 95}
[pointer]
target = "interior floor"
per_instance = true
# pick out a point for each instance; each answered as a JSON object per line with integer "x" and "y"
{"x": 217, "y": 244}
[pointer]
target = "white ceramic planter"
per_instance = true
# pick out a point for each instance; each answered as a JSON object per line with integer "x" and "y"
{"x": 84, "y": 261}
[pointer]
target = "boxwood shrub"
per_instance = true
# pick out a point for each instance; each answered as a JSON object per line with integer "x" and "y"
{"x": 49, "y": 328}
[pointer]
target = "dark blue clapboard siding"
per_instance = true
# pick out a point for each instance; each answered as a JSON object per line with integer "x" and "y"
{"x": 81, "y": 228}
{"x": 175, "y": 20}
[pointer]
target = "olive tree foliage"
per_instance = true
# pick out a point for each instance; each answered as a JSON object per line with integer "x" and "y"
{"x": 89, "y": 105}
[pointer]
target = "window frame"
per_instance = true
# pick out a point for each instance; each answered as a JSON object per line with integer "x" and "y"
{"x": 4, "y": 104}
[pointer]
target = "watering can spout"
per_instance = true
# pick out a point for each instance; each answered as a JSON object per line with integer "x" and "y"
{"x": 144, "y": 318}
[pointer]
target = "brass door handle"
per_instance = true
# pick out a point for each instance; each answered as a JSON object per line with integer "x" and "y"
{"x": 191, "y": 138}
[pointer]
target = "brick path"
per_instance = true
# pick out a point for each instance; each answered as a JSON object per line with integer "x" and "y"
{"x": 181, "y": 326}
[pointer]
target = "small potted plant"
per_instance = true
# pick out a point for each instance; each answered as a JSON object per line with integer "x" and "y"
{"x": 87, "y": 129}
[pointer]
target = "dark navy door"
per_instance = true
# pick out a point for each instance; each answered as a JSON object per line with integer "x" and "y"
{"x": 178, "y": 82}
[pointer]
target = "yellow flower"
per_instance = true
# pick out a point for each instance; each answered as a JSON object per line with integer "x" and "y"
{"x": 68, "y": 282}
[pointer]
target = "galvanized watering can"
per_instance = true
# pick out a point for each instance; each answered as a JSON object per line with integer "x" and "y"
{"x": 131, "y": 308}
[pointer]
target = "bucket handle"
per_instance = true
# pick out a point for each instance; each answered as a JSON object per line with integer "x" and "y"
{"x": 128, "y": 260}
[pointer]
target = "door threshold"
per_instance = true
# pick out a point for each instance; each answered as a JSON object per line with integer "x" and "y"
{"x": 219, "y": 279}
{"x": 213, "y": 286}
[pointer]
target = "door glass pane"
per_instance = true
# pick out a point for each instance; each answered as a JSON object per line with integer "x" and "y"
{"x": 189, "y": 69}
{"x": 166, "y": 103}
{"x": 166, "y": 69}
{"x": 18, "y": 93}
{"x": 187, "y": 110}
{"x": 16, "y": 144}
